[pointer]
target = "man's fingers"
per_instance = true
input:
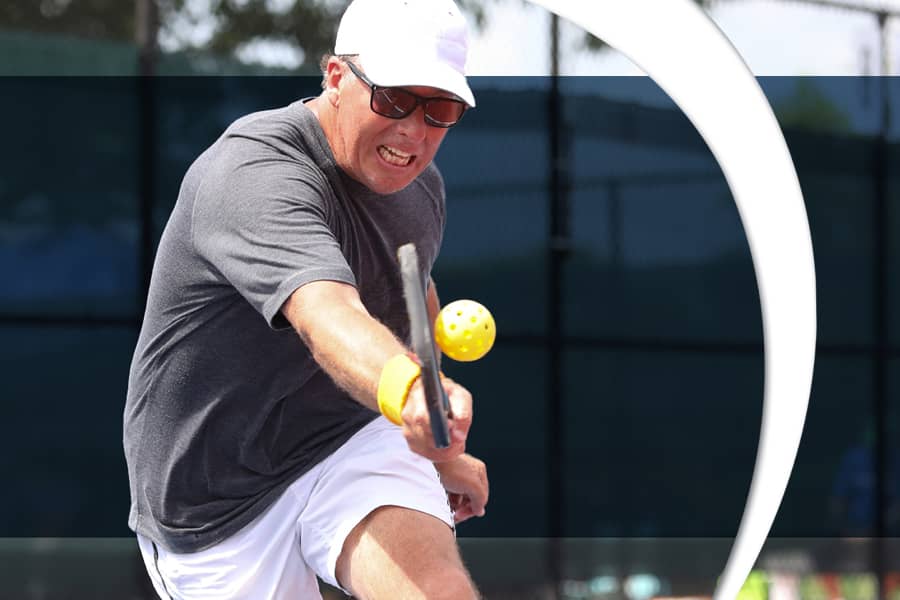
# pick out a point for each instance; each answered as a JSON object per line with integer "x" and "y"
{"x": 460, "y": 402}
{"x": 417, "y": 422}
{"x": 463, "y": 514}
{"x": 466, "y": 510}
{"x": 421, "y": 442}
{"x": 477, "y": 503}
{"x": 460, "y": 410}
{"x": 443, "y": 454}
{"x": 462, "y": 509}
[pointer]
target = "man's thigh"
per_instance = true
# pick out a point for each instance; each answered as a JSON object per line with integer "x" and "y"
{"x": 372, "y": 471}
{"x": 402, "y": 553}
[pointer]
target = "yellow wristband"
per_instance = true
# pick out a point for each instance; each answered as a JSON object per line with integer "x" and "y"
{"x": 397, "y": 377}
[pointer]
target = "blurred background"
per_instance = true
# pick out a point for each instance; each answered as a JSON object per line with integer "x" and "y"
{"x": 619, "y": 412}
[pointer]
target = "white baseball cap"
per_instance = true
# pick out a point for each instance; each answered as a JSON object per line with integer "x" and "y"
{"x": 408, "y": 43}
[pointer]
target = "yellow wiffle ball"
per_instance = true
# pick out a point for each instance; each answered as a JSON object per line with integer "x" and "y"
{"x": 465, "y": 330}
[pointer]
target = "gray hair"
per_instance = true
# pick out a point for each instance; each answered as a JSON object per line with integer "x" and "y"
{"x": 323, "y": 63}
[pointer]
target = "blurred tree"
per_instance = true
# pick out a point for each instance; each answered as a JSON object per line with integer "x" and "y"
{"x": 305, "y": 28}
{"x": 591, "y": 42}
{"x": 811, "y": 109}
{"x": 95, "y": 19}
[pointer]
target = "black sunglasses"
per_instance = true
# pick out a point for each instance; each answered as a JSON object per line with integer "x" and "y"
{"x": 398, "y": 103}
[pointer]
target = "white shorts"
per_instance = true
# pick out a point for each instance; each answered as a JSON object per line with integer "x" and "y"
{"x": 301, "y": 535}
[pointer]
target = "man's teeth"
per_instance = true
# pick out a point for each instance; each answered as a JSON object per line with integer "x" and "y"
{"x": 394, "y": 156}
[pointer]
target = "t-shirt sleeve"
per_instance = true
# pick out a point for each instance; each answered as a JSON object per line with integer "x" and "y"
{"x": 264, "y": 225}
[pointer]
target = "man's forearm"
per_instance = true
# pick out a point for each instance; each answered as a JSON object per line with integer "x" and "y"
{"x": 348, "y": 343}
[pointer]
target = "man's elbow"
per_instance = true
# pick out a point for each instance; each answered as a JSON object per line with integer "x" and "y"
{"x": 315, "y": 305}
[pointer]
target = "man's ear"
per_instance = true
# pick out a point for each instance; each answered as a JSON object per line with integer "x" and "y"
{"x": 334, "y": 74}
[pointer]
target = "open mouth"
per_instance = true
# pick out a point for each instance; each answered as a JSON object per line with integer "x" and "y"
{"x": 395, "y": 157}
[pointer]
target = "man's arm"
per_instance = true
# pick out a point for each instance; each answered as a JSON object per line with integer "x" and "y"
{"x": 353, "y": 347}
{"x": 331, "y": 320}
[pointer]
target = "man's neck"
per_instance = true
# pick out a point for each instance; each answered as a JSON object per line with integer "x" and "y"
{"x": 313, "y": 105}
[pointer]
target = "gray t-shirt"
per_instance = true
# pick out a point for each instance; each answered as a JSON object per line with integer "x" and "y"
{"x": 226, "y": 406}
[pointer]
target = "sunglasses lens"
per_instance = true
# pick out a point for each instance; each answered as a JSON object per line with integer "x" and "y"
{"x": 397, "y": 103}
{"x": 393, "y": 102}
{"x": 444, "y": 113}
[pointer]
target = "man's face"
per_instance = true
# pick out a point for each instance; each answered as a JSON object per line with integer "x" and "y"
{"x": 383, "y": 154}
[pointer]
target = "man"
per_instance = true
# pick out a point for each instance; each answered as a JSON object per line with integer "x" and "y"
{"x": 272, "y": 338}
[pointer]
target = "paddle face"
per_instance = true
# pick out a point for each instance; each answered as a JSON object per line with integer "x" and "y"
{"x": 423, "y": 344}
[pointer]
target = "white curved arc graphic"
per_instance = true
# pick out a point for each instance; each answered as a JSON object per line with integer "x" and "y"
{"x": 675, "y": 43}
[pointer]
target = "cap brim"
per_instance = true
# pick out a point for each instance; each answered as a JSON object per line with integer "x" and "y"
{"x": 436, "y": 74}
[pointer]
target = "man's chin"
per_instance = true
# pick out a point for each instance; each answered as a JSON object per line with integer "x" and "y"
{"x": 385, "y": 187}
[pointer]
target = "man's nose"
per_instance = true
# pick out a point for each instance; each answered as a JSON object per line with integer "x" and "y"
{"x": 414, "y": 126}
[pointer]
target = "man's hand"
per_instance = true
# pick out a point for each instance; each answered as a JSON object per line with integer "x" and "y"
{"x": 417, "y": 425}
{"x": 465, "y": 479}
